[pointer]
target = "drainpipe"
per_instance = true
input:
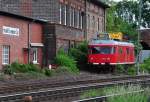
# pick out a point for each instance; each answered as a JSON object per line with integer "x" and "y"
{"x": 29, "y": 38}
{"x": 85, "y": 16}
{"x": 29, "y": 31}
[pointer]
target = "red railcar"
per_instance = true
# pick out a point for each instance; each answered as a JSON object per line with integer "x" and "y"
{"x": 110, "y": 52}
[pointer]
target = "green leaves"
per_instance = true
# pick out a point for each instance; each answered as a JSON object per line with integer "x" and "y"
{"x": 120, "y": 18}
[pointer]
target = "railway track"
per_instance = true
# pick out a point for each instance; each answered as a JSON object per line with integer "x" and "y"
{"x": 25, "y": 86}
{"x": 55, "y": 91}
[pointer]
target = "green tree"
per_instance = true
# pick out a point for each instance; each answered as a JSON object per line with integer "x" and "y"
{"x": 146, "y": 13}
{"x": 116, "y": 23}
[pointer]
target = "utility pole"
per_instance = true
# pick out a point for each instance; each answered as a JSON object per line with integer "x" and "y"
{"x": 139, "y": 25}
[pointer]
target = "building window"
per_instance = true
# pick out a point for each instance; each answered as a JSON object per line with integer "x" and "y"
{"x": 78, "y": 18}
{"x": 72, "y": 17}
{"x": 75, "y": 18}
{"x": 68, "y": 14}
{"x": 93, "y": 26}
{"x": 60, "y": 14}
{"x": 35, "y": 55}
{"x": 63, "y": 14}
{"x": 5, "y": 54}
{"x": 88, "y": 21}
{"x": 65, "y": 18}
{"x": 98, "y": 25}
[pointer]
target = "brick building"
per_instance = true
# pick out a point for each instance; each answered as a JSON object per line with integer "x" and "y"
{"x": 18, "y": 34}
{"x": 144, "y": 38}
{"x": 96, "y": 18}
{"x": 70, "y": 21}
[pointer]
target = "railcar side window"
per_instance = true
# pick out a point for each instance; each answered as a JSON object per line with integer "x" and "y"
{"x": 128, "y": 51}
{"x": 103, "y": 50}
{"x": 120, "y": 50}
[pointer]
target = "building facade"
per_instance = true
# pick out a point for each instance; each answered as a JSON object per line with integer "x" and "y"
{"x": 70, "y": 21}
{"x": 96, "y": 18}
{"x": 20, "y": 39}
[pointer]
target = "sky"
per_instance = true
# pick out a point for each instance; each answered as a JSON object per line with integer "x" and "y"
{"x": 117, "y": 0}
{"x": 120, "y": 0}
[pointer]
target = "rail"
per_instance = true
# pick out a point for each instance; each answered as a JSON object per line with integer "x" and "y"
{"x": 70, "y": 90}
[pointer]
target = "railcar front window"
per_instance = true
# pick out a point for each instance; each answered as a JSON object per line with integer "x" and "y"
{"x": 102, "y": 50}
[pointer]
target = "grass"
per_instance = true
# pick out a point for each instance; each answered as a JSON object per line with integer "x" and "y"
{"x": 133, "y": 97}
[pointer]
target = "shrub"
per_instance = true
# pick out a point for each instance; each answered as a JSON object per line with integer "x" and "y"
{"x": 120, "y": 68}
{"x": 132, "y": 70}
{"x": 33, "y": 67}
{"x": 63, "y": 59}
{"x": 79, "y": 53}
{"x": 8, "y": 70}
{"x": 16, "y": 67}
{"x": 145, "y": 66}
{"x": 61, "y": 69}
{"x": 48, "y": 72}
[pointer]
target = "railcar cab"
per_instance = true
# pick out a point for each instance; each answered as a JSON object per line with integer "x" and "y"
{"x": 110, "y": 52}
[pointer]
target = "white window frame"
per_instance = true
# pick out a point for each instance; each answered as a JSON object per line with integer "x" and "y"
{"x": 70, "y": 10}
{"x": 35, "y": 55}
{"x": 78, "y": 17}
{"x": 5, "y": 54}
{"x": 60, "y": 15}
{"x": 65, "y": 8}
{"x": 73, "y": 24}
{"x": 81, "y": 20}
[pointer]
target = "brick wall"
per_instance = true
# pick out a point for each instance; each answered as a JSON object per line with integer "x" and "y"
{"x": 99, "y": 14}
{"x": 18, "y": 43}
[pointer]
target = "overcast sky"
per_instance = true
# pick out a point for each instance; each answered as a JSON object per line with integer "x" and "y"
{"x": 117, "y": 0}
{"x": 120, "y": 0}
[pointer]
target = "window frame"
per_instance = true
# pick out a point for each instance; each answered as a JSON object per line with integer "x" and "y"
{"x": 5, "y": 53}
{"x": 35, "y": 55}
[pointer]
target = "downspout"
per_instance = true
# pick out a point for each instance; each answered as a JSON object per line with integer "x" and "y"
{"x": 29, "y": 31}
{"x": 29, "y": 39}
{"x": 85, "y": 16}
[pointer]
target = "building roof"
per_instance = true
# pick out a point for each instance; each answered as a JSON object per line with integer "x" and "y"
{"x": 110, "y": 42}
{"x": 100, "y": 3}
{"x": 21, "y": 17}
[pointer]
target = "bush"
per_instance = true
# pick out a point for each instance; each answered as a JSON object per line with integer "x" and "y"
{"x": 48, "y": 72}
{"x": 62, "y": 70}
{"x": 63, "y": 59}
{"x": 8, "y": 70}
{"x": 145, "y": 67}
{"x": 20, "y": 68}
{"x": 120, "y": 68}
{"x": 126, "y": 69}
{"x": 79, "y": 54}
{"x": 132, "y": 70}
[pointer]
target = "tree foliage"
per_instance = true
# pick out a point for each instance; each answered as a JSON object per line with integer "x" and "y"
{"x": 146, "y": 13}
{"x": 116, "y": 23}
